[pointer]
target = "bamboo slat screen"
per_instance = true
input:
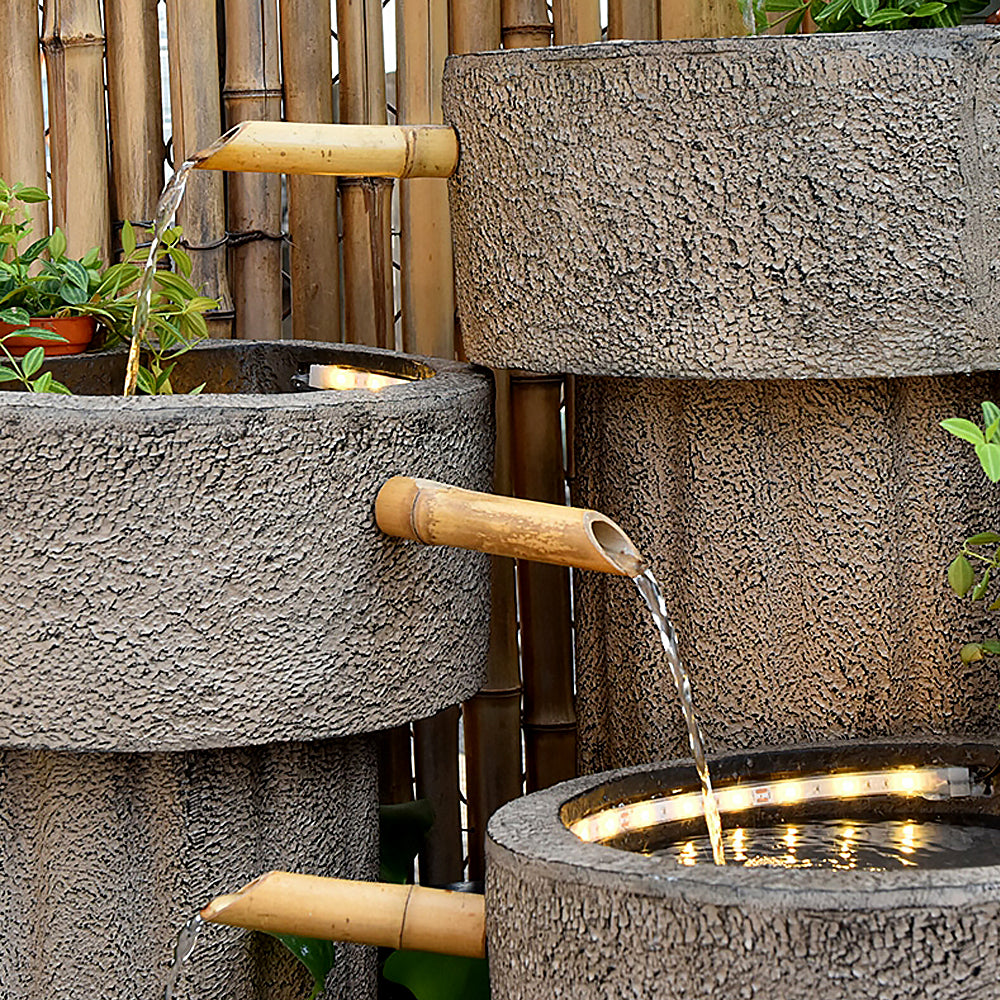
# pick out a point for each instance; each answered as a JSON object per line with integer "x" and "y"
{"x": 365, "y": 261}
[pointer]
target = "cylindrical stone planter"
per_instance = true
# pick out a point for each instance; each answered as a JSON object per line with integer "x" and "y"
{"x": 568, "y": 918}
{"x": 772, "y": 264}
{"x": 202, "y": 628}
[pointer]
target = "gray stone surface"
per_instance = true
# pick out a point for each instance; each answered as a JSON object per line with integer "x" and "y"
{"x": 810, "y": 206}
{"x": 183, "y": 572}
{"x": 801, "y": 532}
{"x": 104, "y": 856}
{"x": 566, "y": 919}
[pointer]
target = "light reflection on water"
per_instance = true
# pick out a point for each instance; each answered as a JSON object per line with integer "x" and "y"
{"x": 849, "y": 845}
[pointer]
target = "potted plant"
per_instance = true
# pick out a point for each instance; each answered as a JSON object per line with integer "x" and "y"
{"x": 52, "y": 305}
{"x": 858, "y": 15}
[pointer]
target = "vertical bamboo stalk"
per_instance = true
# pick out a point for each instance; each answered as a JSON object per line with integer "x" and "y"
{"x": 196, "y": 121}
{"x": 307, "y": 66}
{"x": 253, "y": 91}
{"x": 366, "y": 203}
{"x": 700, "y": 19}
{"x": 435, "y": 746}
{"x": 135, "y": 108}
{"x": 525, "y": 24}
{"x": 576, "y": 22}
{"x": 22, "y": 127}
{"x": 543, "y": 591}
{"x": 474, "y": 25}
{"x": 633, "y": 19}
{"x": 428, "y": 286}
{"x": 73, "y": 41}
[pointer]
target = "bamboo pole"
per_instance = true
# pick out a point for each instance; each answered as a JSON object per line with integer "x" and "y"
{"x": 22, "y": 146}
{"x": 435, "y": 746}
{"x": 307, "y": 66}
{"x": 340, "y": 150}
{"x": 525, "y": 24}
{"x": 253, "y": 92}
{"x": 196, "y": 115}
{"x": 135, "y": 108}
{"x": 73, "y": 41}
{"x": 366, "y": 204}
{"x": 700, "y": 19}
{"x": 633, "y": 19}
{"x": 427, "y": 269}
{"x": 410, "y": 917}
{"x": 576, "y": 22}
{"x": 474, "y": 25}
{"x": 438, "y": 514}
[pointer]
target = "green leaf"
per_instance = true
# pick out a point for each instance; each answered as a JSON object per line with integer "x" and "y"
{"x": 40, "y": 333}
{"x": 57, "y": 244}
{"x": 989, "y": 459}
{"x": 59, "y": 389}
{"x": 15, "y": 315}
{"x": 439, "y": 977}
{"x": 128, "y": 238}
{"x": 403, "y": 828}
{"x": 197, "y": 390}
{"x": 831, "y": 10}
{"x": 991, "y": 646}
{"x": 979, "y": 591}
{"x": 793, "y": 24}
{"x": 947, "y": 18}
{"x": 32, "y": 361}
{"x": 991, "y": 429}
{"x": 971, "y": 652}
{"x": 318, "y": 957}
{"x": 146, "y": 382}
{"x": 31, "y": 195}
{"x": 885, "y": 17}
{"x": 865, "y": 7}
{"x": 983, "y": 538}
{"x": 964, "y": 429}
{"x": 8, "y": 374}
{"x": 991, "y": 412}
{"x": 927, "y": 9}
{"x": 960, "y": 575}
{"x": 42, "y": 383}
{"x": 775, "y": 6}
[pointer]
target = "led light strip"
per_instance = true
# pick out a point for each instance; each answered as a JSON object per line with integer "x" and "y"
{"x": 928, "y": 782}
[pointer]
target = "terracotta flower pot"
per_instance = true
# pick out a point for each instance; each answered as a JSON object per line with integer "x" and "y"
{"x": 78, "y": 331}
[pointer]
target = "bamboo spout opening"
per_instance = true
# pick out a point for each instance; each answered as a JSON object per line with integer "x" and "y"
{"x": 334, "y": 150}
{"x": 437, "y": 514}
{"x": 410, "y": 917}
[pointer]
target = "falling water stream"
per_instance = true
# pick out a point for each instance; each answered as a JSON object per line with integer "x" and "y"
{"x": 653, "y": 597}
{"x": 165, "y": 210}
{"x": 187, "y": 938}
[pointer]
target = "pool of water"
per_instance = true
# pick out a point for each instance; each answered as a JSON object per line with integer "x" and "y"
{"x": 847, "y": 844}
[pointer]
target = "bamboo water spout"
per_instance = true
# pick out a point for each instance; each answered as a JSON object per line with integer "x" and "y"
{"x": 340, "y": 150}
{"x": 438, "y": 514}
{"x": 410, "y": 917}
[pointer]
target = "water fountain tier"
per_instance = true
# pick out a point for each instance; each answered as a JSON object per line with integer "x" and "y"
{"x": 565, "y": 914}
{"x": 771, "y": 263}
{"x": 202, "y": 629}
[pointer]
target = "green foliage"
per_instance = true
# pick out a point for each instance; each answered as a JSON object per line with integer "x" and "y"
{"x": 403, "y": 828}
{"x": 970, "y": 572}
{"x": 439, "y": 977}
{"x": 859, "y": 15}
{"x": 41, "y": 281}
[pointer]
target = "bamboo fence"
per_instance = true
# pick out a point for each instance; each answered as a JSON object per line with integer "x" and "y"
{"x": 230, "y": 60}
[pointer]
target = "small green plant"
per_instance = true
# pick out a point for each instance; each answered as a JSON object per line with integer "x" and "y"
{"x": 859, "y": 15}
{"x": 971, "y": 570}
{"x": 40, "y": 281}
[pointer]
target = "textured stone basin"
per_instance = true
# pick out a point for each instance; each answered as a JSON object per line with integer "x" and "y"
{"x": 202, "y": 626}
{"x": 569, "y": 918}
{"x": 773, "y": 265}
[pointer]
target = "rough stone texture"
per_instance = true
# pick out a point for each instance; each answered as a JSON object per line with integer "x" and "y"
{"x": 204, "y": 571}
{"x": 566, "y": 919}
{"x": 810, "y": 206}
{"x": 199, "y": 581}
{"x": 800, "y": 531}
{"x": 104, "y": 856}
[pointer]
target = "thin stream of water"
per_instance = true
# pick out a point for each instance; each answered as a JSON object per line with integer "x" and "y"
{"x": 653, "y": 597}
{"x": 187, "y": 938}
{"x": 165, "y": 210}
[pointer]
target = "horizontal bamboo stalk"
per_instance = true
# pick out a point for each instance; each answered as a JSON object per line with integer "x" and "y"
{"x": 437, "y": 514}
{"x": 335, "y": 150}
{"x": 22, "y": 148}
{"x": 410, "y": 917}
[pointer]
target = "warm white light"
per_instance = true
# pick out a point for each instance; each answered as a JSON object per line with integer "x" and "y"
{"x": 791, "y": 838}
{"x": 345, "y": 377}
{"x": 689, "y": 854}
{"x": 939, "y": 782}
{"x": 908, "y": 838}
